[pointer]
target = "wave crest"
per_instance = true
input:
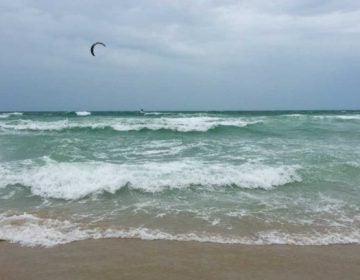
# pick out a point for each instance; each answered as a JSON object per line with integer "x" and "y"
{"x": 77, "y": 180}
{"x": 339, "y": 117}
{"x": 83, "y": 113}
{"x": 7, "y": 115}
{"x": 195, "y": 124}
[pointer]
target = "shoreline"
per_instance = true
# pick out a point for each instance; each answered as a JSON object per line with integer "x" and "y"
{"x": 161, "y": 259}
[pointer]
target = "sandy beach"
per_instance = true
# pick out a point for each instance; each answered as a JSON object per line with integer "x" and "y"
{"x": 138, "y": 259}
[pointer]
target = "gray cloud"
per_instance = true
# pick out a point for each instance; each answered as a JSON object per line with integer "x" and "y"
{"x": 179, "y": 54}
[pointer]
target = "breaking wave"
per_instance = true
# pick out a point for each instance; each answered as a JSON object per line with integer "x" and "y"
{"x": 30, "y": 230}
{"x": 77, "y": 180}
{"x": 322, "y": 117}
{"x": 82, "y": 113}
{"x": 339, "y": 117}
{"x": 155, "y": 113}
{"x": 250, "y": 178}
{"x": 349, "y": 117}
{"x": 199, "y": 124}
{"x": 7, "y": 115}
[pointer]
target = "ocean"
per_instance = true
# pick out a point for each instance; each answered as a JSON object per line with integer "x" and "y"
{"x": 279, "y": 177}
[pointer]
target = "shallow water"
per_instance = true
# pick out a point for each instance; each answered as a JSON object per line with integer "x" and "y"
{"x": 234, "y": 177}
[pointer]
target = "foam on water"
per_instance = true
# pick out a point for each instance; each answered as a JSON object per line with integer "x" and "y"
{"x": 200, "y": 124}
{"x": 288, "y": 179}
{"x": 339, "y": 117}
{"x": 349, "y": 117}
{"x": 35, "y": 125}
{"x": 7, "y": 115}
{"x": 30, "y": 230}
{"x": 318, "y": 117}
{"x": 82, "y": 113}
{"x": 155, "y": 113}
{"x": 76, "y": 180}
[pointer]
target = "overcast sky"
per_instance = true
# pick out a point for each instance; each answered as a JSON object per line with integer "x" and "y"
{"x": 179, "y": 55}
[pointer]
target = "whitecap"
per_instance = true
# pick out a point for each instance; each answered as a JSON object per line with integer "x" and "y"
{"x": 7, "y": 115}
{"x": 35, "y": 125}
{"x": 339, "y": 117}
{"x": 349, "y": 117}
{"x": 77, "y": 180}
{"x": 188, "y": 124}
{"x": 83, "y": 113}
{"x": 154, "y": 113}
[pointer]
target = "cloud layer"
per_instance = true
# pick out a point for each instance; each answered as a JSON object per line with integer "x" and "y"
{"x": 179, "y": 54}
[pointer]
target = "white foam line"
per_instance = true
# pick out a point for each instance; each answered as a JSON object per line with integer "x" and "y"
{"x": 200, "y": 124}
{"x": 30, "y": 230}
{"x": 7, "y": 115}
{"x": 339, "y": 117}
{"x": 76, "y": 180}
{"x": 83, "y": 113}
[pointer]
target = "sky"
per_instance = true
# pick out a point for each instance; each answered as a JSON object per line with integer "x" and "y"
{"x": 179, "y": 55}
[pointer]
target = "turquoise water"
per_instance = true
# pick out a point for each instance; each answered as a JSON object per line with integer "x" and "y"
{"x": 230, "y": 177}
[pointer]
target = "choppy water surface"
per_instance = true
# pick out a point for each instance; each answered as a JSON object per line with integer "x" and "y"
{"x": 234, "y": 177}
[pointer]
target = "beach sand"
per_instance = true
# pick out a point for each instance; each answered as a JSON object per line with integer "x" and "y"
{"x": 138, "y": 259}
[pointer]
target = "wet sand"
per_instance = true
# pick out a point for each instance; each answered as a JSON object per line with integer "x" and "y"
{"x": 138, "y": 259}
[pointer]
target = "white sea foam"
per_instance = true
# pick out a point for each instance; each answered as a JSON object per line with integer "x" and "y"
{"x": 200, "y": 124}
{"x": 76, "y": 180}
{"x": 30, "y": 230}
{"x": 7, "y": 115}
{"x": 155, "y": 113}
{"x": 82, "y": 113}
{"x": 35, "y": 125}
{"x": 339, "y": 117}
{"x": 353, "y": 163}
{"x": 349, "y": 117}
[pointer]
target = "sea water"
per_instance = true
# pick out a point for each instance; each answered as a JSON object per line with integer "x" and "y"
{"x": 228, "y": 177}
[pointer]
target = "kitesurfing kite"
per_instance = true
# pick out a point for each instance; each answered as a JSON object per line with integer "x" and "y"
{"x": 93, "y": 47}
